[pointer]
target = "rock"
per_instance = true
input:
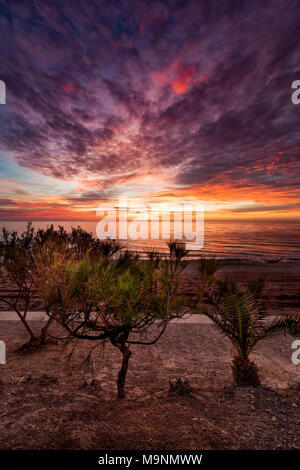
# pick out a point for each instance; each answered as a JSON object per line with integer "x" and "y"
{"x": 137, "y": 392}
{"x": 25, "y": 379}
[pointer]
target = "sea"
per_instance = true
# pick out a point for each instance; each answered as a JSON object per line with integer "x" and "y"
{"x": 264, "y": 241}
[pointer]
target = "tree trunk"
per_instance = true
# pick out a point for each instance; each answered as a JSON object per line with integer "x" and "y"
{"x": 123, "y": 371}
{"x": 25, "y": 323}
{"x": 44, "y": 331}
{"x": 245, "y": 372}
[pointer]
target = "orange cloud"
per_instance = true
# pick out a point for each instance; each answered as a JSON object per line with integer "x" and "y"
{"x": 178, "y": 76}
{"x": 183, "y": 79}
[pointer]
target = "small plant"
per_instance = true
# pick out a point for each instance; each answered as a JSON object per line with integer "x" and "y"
{"x": 241, "y": 316}
{"x": 180, "y": 387}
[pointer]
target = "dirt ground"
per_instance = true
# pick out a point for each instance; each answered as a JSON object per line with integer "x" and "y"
{"x": 48, "y": 402}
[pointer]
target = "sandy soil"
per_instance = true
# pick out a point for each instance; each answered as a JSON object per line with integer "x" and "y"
{"x": 50, "y": 403}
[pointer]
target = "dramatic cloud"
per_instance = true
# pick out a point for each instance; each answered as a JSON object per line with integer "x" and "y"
{"x": 102, "y": 94}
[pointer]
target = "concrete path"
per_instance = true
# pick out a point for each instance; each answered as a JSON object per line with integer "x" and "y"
{"x": 41, "y": 316}
{"x": 33, "y": 316}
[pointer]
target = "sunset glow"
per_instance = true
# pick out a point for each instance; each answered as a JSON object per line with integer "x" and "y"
{"x": 165, "y": 104}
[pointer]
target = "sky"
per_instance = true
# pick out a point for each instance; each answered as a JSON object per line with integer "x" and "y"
{"x": 160, "y": 101}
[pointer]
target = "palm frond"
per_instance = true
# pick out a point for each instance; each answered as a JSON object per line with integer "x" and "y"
{"x": 177, "y": 249}
{"x": 257, "y": 288}
{"x": 225, "y": 327}
{"x": 207, "y": 268}
{"x": 285, "y": 325}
